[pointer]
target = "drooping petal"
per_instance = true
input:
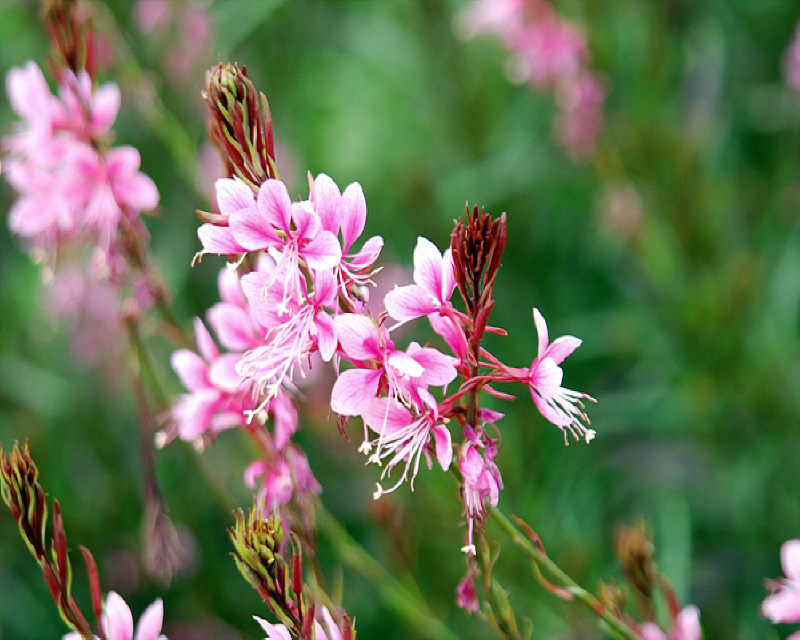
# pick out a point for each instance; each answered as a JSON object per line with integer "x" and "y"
{"x": 274, "y": 631}
{"x": 444, "y": 445}
{"x": 409, "y": 302}
{"x": 558, "y": 418}
{"x": 353, "y": 391}
{"x": 368, "y": 255}
{"x": 326, "y": 336}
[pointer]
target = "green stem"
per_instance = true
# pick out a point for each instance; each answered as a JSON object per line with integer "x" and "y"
{"x": 621, "y": 629}
{"x": 404, "y": 602}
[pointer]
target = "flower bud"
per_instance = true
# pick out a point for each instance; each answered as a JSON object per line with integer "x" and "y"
{"x": 241, "y": 125}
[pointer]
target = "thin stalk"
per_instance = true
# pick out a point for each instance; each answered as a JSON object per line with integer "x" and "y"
{"x": 616, "y": 625}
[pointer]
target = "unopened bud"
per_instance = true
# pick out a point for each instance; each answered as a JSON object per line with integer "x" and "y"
{"x": 241, "y": 125}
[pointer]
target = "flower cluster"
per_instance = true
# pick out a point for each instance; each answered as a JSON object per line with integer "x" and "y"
{"x": 70, "y": 188}
{"x": 548, "y": 53}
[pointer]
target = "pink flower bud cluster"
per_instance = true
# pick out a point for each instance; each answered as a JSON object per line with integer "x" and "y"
{"x": 548, "y": 53}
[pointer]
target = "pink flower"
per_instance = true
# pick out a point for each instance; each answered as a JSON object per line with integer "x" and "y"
{"x": 685, "y": 627}
{"x": 466, "y": 594}
{"x": 403, "y": 371}
{"x": 104, "y": 189}
{"x": 279, "y": 632}
{"x": 482, "y": 481}
{"x": 783, "y": 605}
{"x": 346, "y": 214}
{"x": 435, "y": 280}
{"x": 88, "y": 114}
{"x": 562, "y": 407}
{"x": 546, "y": 50}
{"x": 117, "y": 621}
{"x": 403, "y": 436}
{"x": 296, "y": 322}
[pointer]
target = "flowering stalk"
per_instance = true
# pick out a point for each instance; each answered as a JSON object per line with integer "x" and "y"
{"x": 25, "y": 498}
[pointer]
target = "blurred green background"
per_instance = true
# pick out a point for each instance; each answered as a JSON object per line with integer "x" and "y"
{"x": 674, "y": 253}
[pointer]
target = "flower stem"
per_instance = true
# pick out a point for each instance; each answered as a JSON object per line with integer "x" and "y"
{"x": 617, "y": 626}
{"x": 402, "y": 601}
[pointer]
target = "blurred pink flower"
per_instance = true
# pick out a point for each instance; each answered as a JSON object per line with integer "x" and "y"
{"x": 151, "y": 15}
{"x": 685, "y": 627}
{"x": 466, "y": 594}
{"x": 117, "y": 621}
{"x": 279, "y": 632}
{"x": 783, "y": 605}
{"x": 791, "y": 63}
{"x": 482, "y": 481}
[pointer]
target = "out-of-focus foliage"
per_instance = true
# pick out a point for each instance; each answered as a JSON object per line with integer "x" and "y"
{"x": 674, "y": 254}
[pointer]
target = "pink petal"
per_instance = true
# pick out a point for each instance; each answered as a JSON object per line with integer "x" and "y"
{"x": 218, "y": 240}
{"x": 117, "y": 618}
{"x": 561, "y": 347}
{"x": 274, "y": 631}
{"x": 325, "y": 288}
{"x": 358, "y": 336}
{"x": 105, "y": 105}
{"x": 28, "y": 92}
{"x": 328, "y": 203}
{"x": 223, "y": 373}
{"x": 650, "y": 631}
{"x": 452, "y": 334}
{"x": 444, "y": 446}
{"x": 353, "y": 391}
{"x": 229, "y": 288}
{"x": 439, "y": 369}
{"x": 253, "y": 230}
{"x": 355, "y": 214}
{"x": 232, "y": 325}
{"x": 428, "y": 267}
{"x": 191, "y": 369}
{"x": 385, "y": 414}
{"x": 782, "y": 606}
{"x": 150, "y": 622}
{"x": 275, "y": 204}
{"x": 323, "y": 252}
{"x": 546, "y": 376}
{"x": 541, "y": 330}
{"x": 368, "y": 255}
{"x": 405, "y": 364}
{"x": 687, "y": 625}
{"x": 253, "y": 472}
{"x": 306, "y": 222}
{"x": 233, "y": 195}
{"x": 193, "y": 413}
{"x": 406, "y": 303}
{"x": 790, "y": 559}
{"x": 136, "y": 193}
{"x": 326, "y": 336}
{"x": 558, "y": 418}
{"x": 448, "y": 276}
{"x": 204, "y": 341}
